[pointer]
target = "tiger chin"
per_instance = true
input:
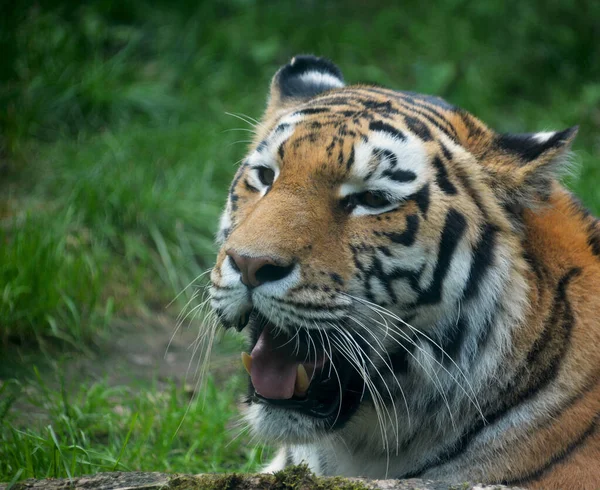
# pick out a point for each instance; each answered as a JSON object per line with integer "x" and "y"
{"x": 420, "y": 293}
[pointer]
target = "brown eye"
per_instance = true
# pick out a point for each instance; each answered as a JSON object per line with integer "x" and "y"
{"x": 372, "y": 200}
{"x": 266, "y": 175}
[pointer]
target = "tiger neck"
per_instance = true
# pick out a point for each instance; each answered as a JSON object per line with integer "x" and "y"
{"x": 561, "y": 239}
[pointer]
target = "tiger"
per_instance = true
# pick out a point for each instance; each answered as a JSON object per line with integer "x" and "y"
{"x": 420, "y": 293}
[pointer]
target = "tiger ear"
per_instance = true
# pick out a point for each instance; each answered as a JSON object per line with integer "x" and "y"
{"x": 522, "y": 167}
{"x": 302, "y": 78}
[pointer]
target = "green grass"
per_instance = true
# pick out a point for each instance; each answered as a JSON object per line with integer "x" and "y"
{"x": 50, "y": 282}
{"x": 116, "y": 151}
{"x": 98, "y": 427}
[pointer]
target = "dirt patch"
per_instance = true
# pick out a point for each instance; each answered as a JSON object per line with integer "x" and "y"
{"x": 154, "y": 349}
{"x": 137, "y": 352}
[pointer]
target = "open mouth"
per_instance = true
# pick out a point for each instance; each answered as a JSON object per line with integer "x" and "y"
{"x": 303, "y": 372}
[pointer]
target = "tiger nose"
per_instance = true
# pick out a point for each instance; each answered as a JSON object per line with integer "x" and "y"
{"x": 258, "y": 270}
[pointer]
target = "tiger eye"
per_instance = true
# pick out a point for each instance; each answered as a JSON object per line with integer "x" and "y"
{"x": 373, "y": 200}
{"x": 266, "y": 175}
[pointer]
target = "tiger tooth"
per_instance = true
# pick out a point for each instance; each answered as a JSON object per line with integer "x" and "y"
{"x": 302, "y": 381}
{"x": 247, "y": 362}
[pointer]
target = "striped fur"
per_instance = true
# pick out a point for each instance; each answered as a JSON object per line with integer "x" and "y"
{"x": 467, "y": 297}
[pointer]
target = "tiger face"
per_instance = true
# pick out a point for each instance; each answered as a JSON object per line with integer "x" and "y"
{"x": 368, "y": 240}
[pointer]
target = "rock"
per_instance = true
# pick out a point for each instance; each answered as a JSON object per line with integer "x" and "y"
{"x": 293, "y": 478}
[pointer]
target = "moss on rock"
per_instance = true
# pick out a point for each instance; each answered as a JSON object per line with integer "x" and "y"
{"x": 291, "y": 478}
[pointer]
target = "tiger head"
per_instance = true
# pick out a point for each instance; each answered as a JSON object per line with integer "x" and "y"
{"x": 368, "y": 236}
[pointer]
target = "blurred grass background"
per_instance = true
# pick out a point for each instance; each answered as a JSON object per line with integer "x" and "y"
{"x": 116, "y": 150}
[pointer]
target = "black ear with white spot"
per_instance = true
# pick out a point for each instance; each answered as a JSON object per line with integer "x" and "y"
{"x": 302, "y": 78}
{"x": 532, "y": 146}
{"x": 523, "y": 166}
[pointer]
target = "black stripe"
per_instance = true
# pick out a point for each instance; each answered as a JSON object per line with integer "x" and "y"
{"x": 384, "y": 108}
{"x": 226, "y": 232}
{"x": 450, "y": 133}
{"x": 412, "y": 276}
{"x": 534, "y": 264}
{"x": 249, "y": 187}
{"x": 400, "y": 356}
{"x": 281, "y": 127}
{"x": 409, "y": 235}
{"x": 387, "y": 279}
{"x": 447, "y": 153}
{"x": 376, "y": 271}
{"x": 594, "y": 237}
{"x": 422, "y": 198}
{"x": 336, "y": 278}
{"x": 418, "y": 127}
{"x": 557, "y": 458}
{"x": 357, "y": 263}
{"x": 261, "y": 146}
{"x": 233, "y": 197}
{"x": 470, "y": 123}
{"x": 390, "y": 155}
{"x": 465, "y": 181}
{"x": 441, "y": 177}
{"x": 312, "y": 110}
{"x": 454, "y": 229}
{"x": 385, "y": 251}
{"x": 399, "y": 175}
{"x": 340, "y": 158}
{"x": 381, "y": 126}
{"x": 281, "y": 150}
{"x": 350, "y": 160}
{"x": 483, "y": 256}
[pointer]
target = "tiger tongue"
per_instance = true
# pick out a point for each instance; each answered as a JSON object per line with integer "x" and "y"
{"x": 274, "y": 368}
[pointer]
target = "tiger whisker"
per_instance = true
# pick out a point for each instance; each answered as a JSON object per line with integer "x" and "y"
{"x": 238, "y": 129}
{"x": 239, "y": 141}
{"x": 403, "y": 335}
{"x": 377, "y": 399}
{"x": 247, "y": 119}
{"x": 201, "y": 378}
{"x": 388, "y": 365}
{"x": 425, "y": 352}
{"x": 419, "y": 332}
{"x": 199, "y": 276}
{"x": 332, "y": 365}
{"x": 438, "y": 384}
{"x": 359, "y": 351}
